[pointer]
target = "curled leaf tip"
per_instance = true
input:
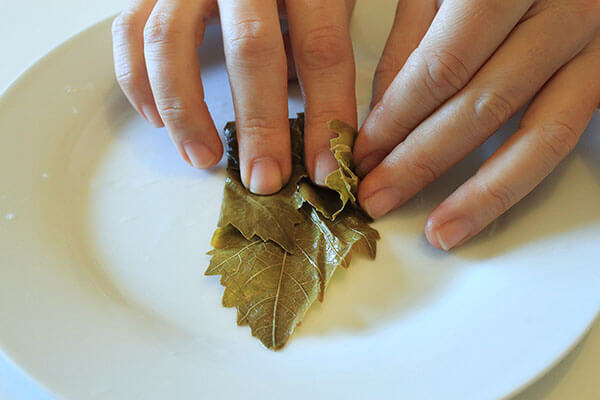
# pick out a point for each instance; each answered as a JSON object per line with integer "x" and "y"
{"x": 343, "y": 180}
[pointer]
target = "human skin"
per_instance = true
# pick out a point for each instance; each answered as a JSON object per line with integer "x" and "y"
{"x": 156, "y": 65}
{"x": 449, "y": 77}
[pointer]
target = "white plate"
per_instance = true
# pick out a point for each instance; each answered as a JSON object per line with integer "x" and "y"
{"x": 103, "y": 234}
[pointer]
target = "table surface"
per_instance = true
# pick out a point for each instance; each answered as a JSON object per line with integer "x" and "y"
{"x": 30, "y": 28}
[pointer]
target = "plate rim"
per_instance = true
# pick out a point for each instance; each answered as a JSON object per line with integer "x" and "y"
{"x": 29, "y": 71}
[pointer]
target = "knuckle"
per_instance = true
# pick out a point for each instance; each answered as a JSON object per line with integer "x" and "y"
{"x": 127, "y": 24}
{"x": 260, "y": 126}
{"x": 400, "y": 125}
{"x": 173, "y": 112}
{"x": 252, "y": 42}
{"x": 501, "y": 196}
{"x": 127, "y": 79}
{"x": 324, "y": 47}
{"x": 160, "y": 29}
{"x": 558, "y": 139}
{"x": 422, "y": 168}
{"x": 490, "y": 111}
{"x": 388, "y": 110}
{"x": 443, "y": 73}
{"x": 319, "y": 117}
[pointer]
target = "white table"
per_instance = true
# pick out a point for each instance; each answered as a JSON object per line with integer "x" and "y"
{"x": 30, "y": 28}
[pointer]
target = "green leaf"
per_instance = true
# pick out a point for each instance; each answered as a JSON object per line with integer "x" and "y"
{"x": 268, "y": 217}
{"x": 271, "y": 288}
{"x": 342, "y": 184}
{"x": 334, "y": 242}
{"x": 343, "y": 180}
{"x": 276, "y": 254}
{"x": 326, "y": 201}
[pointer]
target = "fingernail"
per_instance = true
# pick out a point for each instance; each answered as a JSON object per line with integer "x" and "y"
{"x": 151, "y": 116}
{"x": 452, "y": 233}
{"x": 200, "y": 155}
{"x": 382, "y": 202}
{"x": 324, "y": 165}
{"x": 369, "y": 162}
{"x": 266, "y": 176}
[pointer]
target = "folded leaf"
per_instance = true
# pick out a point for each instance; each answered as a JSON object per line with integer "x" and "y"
{"x": 343, "y": 180}
{"x": 276, "y": 254}
{"x": 324, "y": 200}
{"x": 268, "y": 217}
{"x": 342, "y": 183}
{"x": 337, "y": 240}
{"x": 271, "y": 288}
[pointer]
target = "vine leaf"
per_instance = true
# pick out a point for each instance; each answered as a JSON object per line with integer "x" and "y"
{"x": 268, "y": 217}
{"x": 271, "y": 288}
{"x": 343, "y": 180}
{"x": 276, "y": 254}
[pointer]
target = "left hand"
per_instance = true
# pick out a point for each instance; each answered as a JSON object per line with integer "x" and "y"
{"x": 449, "y": 78}
{"x": 157, "y": 67}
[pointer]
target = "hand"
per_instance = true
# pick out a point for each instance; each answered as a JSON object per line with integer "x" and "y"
{"x": 449, "y": 78}
{"x": 157, "y": 67}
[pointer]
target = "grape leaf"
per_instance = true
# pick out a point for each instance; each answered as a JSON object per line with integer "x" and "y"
{"x": 343, "y": 180}
{"x": 326, "y": 201}
{"x": 271, "y": 288}
{"x": 268, "y": 217}
{"x": 276, "y": 254}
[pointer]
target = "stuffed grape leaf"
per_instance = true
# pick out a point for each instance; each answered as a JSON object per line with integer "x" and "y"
{"x": 268, "y": 217}
{"x": 273, "y": 273}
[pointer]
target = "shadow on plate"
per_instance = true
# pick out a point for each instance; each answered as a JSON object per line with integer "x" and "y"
{"x": 371, "y": 294}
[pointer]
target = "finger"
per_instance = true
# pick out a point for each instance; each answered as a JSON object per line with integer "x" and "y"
{"x": 128, "y": 52}
{"x": 549, "y": 130}
{"x": 170, "y": 37}
{"x": 411, "y": 22}
{"x": 257, "y": 69}
{"x": 515, "y": 73}
{"x": 456, "y": 45}
{"x": 325, "y": 64}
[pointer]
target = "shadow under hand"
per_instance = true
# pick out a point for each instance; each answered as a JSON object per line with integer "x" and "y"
{"x": 589, "y": 147}
{"x": 370, "y": 295}
{"x": 409, "y": 273}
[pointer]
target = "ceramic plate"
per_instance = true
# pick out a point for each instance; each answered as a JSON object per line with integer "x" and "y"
{"x": 104, "y": 230}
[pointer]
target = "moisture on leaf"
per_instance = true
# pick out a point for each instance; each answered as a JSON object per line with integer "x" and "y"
{"x": 276, "y": 254}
